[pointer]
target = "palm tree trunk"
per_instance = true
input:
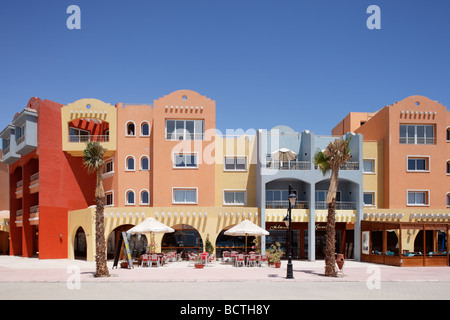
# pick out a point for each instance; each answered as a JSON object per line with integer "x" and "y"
{"x": 330, "y": 243}
{"x": 100, "y": 243}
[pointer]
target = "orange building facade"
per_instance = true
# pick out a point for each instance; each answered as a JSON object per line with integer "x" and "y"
{"x": 406, "y": 181}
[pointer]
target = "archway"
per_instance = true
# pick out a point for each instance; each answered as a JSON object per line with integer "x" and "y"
{"x": 138, "y": 242}
{"x": 232, "y": 243}
{"x": 80, "y": 245}
{"x": 185, "y": 239}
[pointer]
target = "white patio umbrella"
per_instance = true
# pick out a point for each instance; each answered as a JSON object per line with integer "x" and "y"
{"x": 284, "y": 154}
{"x": 151, "y": 225}
{"x": 246, "y": 228}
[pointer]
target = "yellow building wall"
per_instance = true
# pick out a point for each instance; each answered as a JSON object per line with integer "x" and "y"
{"x": 93, "y": 109}
{"x": 235, "y": 180}
{"x": 373, "y": 182}
{"x": 208, "y": 221}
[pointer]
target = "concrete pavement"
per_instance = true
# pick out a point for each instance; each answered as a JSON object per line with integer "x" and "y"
{"x": 18, "y": 269}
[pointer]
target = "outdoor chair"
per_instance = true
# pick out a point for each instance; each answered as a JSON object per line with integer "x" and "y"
{"x": 240, "y": 259}
{"x": 191, "y": 259}
{"x": 226, "y": 256}
{"x": 252, "y": 260}
{"x": 145, "y": 259}
{"x": 212, "y": 259}
{"x": 155, "y": 259}
{"x": 264, "y": 259}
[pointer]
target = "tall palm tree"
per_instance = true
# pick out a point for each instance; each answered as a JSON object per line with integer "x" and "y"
{"x": 334, "y": 155}
{"x": 93, "y": 161}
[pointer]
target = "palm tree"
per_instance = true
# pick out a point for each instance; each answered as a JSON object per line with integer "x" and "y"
{"x": 334, "y": 155}
{"x": 93, "y": 161}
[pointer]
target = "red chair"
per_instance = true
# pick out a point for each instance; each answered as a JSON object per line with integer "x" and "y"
{"x": 145, "y": 259}
{"x": 252, "y": 260}
{"x": 264, "y": 259}
{"x": 240, "y": 259}
{"x": 155, "y": 259}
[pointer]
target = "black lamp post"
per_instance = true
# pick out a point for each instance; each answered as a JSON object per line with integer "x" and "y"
{"x": 287, "y": 220}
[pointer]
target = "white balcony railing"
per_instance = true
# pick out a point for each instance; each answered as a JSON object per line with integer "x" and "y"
{"x": 288, "y": 165}
{"x": 340, "y": 205}
{"x": 284, "y": 204}
{"x": 88, "y": 138}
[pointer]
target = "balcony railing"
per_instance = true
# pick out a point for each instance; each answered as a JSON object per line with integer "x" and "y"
{"x": 34, "y": 209}
{"x": 19, "y": 213}
{"x": 88, "y": 138}
{"x": 340, "y": 205}
{"x": 346, "y": 166}
{"x": 284, "y": 204}
{"x": 288, "y": 165}
{"x": 417, "y": 140}
{"x": 34, "y": 177}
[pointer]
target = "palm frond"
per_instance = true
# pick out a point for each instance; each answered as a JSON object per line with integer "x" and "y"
{"x": 321, "y": 161}
{"x": 93, "y": 156}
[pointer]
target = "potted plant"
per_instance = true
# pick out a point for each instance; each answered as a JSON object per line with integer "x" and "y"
{"x": 209, "y": 247}
{"x": 257, "y": 246}
{"x": 199, "y": 262}
{"x": 275, "y": 253}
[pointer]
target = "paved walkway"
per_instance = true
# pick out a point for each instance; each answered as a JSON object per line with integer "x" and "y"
{"x": 18, "y": 269}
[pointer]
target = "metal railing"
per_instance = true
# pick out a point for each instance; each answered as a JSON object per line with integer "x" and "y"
{"x": 340, "y": 205}
{"x": 34, "y": 177}
{"x": 284, "y": 204}
{"x": 346, "y": 166}
{"x": 288, "y": 165}
{"x": 417, "y": 140}
{"x": 88, "y": 138}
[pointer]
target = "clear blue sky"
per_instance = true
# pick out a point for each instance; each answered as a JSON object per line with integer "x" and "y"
{"x": 305, "y": 64}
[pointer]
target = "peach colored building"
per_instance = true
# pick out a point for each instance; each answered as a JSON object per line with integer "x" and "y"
{"x": 406, "y": 181}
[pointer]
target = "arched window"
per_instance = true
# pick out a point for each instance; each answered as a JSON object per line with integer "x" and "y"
{"x": 145, "y": 164}
{"x": 448, "y": 166}
{"x": 129, "y": 164}
{"x": 448, "y": 134}
{"x": 145, "y": 129}
{"x": 145, "y": 197}
{"x": 130, "y": 197}
{"x": 131, "y": 129}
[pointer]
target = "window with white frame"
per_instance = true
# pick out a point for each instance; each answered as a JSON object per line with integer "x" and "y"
{"x": 145, "y": 163}
{"x": 130, "y": 129}
{"x": 368, "y": 166}
{"x": 418, "y": 164}
{"x": 418, "y": 197}
{"x": 184, "y": 129}
{"x": 145, "y": 129}
{"x": 108, "y": 168}
{"x": 235, "y": 163}
{"x": 130, "y": 200}
{"x": 109, "y": 198}
{"x": 129, "y": 163}
{"x": 234, "y": 197}
{"x": 416, "y": 134}
{"x": 369, "y": 199}
{"x": 186, "y": 196}
{"x": 145, "y": 197}
{"x": 185, "y": 160}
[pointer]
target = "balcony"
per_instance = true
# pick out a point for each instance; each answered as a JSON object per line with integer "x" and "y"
{"x": 19, "y": 189}
{"x": 34, "y": 215}
{"x": 288, "y": 165}
{"x": 284, "y": 204}
{"x": 26, "y": 131}
{"x": 340, "y": 205}
{"x": 88, "y": 120}
{"x": 34, "y": 183}
{"x": 9, "y": 145}
{"x": 19, "y": 220}
{"x": 88, "y": 138}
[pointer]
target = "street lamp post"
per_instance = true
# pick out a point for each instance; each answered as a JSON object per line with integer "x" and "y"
{"x": 287, "y": 220}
